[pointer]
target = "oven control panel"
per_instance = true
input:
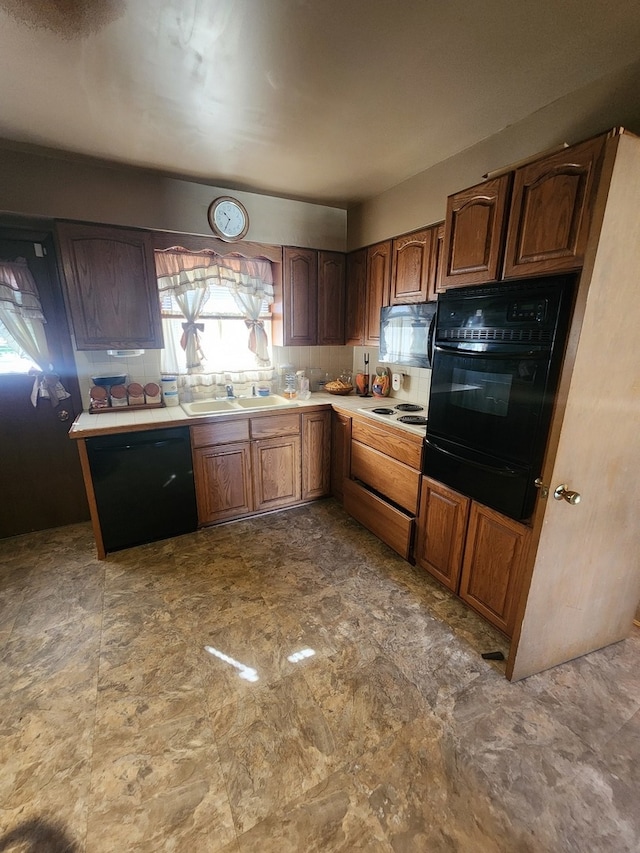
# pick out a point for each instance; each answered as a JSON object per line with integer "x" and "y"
{"x": 535, "y": 310}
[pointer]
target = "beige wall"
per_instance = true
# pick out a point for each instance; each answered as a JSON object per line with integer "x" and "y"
{"x": 422, "y": 199}
{"x": 54, "y": 187}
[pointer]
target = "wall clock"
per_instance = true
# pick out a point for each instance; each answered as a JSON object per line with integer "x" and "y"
{"x": 228, "y": 218}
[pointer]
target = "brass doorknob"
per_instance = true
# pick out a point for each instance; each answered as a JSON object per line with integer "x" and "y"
{"x": 563, "y": 492}
{"x": 63, "y": 415}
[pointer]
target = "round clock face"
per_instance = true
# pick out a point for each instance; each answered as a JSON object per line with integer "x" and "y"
{"x": 228, "y": 218}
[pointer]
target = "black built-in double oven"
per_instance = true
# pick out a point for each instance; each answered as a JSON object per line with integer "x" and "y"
{"x": 497, "y": 353}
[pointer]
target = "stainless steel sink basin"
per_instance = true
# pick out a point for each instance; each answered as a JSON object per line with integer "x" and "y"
{"x": 269, "y": 402}
{"x": 242, "y": 404}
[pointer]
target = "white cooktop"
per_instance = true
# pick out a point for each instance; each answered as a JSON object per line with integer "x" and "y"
{"x": 395, "y": 413}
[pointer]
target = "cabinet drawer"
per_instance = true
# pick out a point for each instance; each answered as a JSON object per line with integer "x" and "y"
{"x": 219, "y": 432}
{"x": 393, "y": 479}
{"x": 273, "y": 425}
{"x": 396, "y": 445}
{"x": 386, "y": 522}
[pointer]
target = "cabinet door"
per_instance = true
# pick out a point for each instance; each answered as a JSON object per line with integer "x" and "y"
{"x": 223, "y": 482}
{"x": 340, "y": 452}
{"x": 331, "y": 296}
{"x": 411, "y": 267}
{"x": 276, "y": 472}
{"x": 494, "y": 553}
{"x": 300, "y": 294}
{"x": 551, "y": 211}
{"x": 316, "y": 455}
{"x": 355, "y": 298}
{"x": 442, "y": 527}
{"x": 473, "y": 233}
{"x": 435, "y": 285}
{"x": 111, "y": 286}
{"x": 377, "y": 289}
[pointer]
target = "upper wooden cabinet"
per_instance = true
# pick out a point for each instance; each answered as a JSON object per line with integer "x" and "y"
{"x": 331, "y": 298}
{"x": 367, "y": 291}
{"x": 300, "y": 295}
{"x": 551, "y": 209}
{"x": 414, "y": 268}
{"x": 543, "y": 224}
{"x": 313, "y": 289}
{"x": 111, "y": 286}
{"x": 473, "y": 233}
{"x": 377, "y": 289}
{"x": 356, "y": 285}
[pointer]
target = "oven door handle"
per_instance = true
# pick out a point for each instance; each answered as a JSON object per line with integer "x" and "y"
{"x": 502, "y": 353}
{"x": 503, "y": 471}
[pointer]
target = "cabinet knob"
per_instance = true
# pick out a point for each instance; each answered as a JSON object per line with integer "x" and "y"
{"x": 63, "y": 415}
{"x": 563, "y": 492}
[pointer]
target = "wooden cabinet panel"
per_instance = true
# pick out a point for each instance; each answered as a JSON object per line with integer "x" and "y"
{"x": 111, "y": 287}
{"x": 473, "y": 235}
{"x": 223, "y": 482}
{"x": 412, "y": 258}
{"x": 551, "y": 211}
{"x": 316, "y": 454}
{"x": 441, "y": 531}
{"x": 276, "y": 472}
{"x": 377, "y": 289}
{"x": 273, "y": 425}
{"x": 356, "y": 280}
{"x": 340, "y": 452}
{"x": 386, "y": 522}
{"x": 300, "y": 288}
{"x": 396, "y": 481}
{"x": 331, "y": 297}
{"x": 435, "y": 285}
{"x": 404, "y": 447}
{"x": 494, "y": 554}
{"x": 219, "y": 432}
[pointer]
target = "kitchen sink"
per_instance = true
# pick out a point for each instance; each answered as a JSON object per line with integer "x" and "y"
{"x": 209, "y": 407}
{"x": 269, "y": 402}
{"x": 242, "y": 404}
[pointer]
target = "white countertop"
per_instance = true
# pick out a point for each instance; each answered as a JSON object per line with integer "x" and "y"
{"x": 87, "y": 424}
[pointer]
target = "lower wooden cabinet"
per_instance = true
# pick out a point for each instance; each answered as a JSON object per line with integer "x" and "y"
{"x": 491, "y": 571}
{"x": 340, "y": 453}
{"x": 255, "y": 464}
{"x": 223, "y": 481}
{"x": 387, "y": 522}
{"x": 475, "y": 551}
{"x": 382, "y": 485}
{"x": 276, "y": 472}
{"x": 442, "y": 527}
{"x": 316, "y": 455}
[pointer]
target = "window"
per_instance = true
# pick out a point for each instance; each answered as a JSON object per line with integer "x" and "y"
{"x": 12, "y": 359}
{"x": 223, "y": 337}
{"x": 216, "y": 319}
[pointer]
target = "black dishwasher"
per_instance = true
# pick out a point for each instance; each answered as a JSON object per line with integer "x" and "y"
{"x": 143, "y": 484}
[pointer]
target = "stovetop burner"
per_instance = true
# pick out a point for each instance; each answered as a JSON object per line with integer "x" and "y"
{"x": 408, "y": 407}
{"x": 383, "y": 411}
{"x": 416, "y": 420}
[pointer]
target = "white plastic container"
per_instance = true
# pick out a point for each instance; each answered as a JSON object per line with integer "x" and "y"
{"x": 170, "y": 390}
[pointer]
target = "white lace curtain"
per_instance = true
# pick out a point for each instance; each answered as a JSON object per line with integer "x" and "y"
{"x": 22, "y": 317}
{"x": 187, "y": 276}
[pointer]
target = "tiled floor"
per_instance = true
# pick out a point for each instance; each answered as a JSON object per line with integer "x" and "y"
{"x": 288, "y": 684}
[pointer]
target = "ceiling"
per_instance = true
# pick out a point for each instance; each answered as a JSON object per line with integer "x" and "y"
{"x": 332, "y": 101}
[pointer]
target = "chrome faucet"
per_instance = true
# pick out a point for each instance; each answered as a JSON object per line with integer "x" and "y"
{"x": 229, "y": 389}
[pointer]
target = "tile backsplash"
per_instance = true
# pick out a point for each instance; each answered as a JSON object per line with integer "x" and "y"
{"x": 142, "y": 368}
{"x": 330, "y": 360}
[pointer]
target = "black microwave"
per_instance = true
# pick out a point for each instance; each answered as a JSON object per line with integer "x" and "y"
{"x": 406, "y": 334}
